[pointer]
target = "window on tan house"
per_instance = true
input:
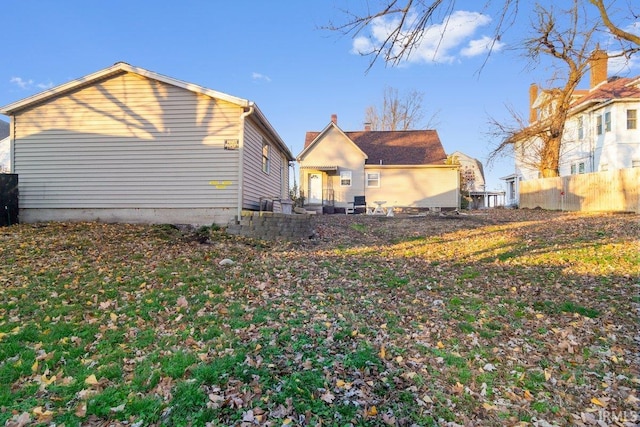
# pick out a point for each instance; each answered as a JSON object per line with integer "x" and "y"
{"x": 573, "y": 169}
{"x": 345, "y": 178}
{"x": 581, "y": 167}
{"x": 599, "y": 125}
{"x": 265, "y": 157}
{"x": 632, "y": 119}
{"x": 373, "y": 179}
{"x": 607, "y": 122}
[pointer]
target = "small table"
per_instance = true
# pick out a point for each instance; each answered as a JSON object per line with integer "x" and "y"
{"x": 379, "y": 210}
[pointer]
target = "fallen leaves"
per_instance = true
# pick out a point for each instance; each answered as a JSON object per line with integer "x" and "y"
{"x": 91, "y": 380}
{"x": 476, "y": 321}
{"x": 327, "y": 397}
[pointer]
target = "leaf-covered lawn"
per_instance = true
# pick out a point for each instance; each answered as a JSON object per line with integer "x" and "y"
{"x": 499, "y": 318}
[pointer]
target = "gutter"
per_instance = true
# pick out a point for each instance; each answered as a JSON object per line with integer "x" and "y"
{"x": 243, "y": 116}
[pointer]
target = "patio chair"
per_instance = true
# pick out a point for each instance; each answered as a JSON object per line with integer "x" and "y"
{"x": 358, "y": 202}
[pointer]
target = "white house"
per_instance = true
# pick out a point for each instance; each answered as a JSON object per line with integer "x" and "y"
{"x": 602, "y": 132}
{"x": 125, "y": 144}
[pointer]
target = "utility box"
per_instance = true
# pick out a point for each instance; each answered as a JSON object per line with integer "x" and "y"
{"x": 8, "y": 199}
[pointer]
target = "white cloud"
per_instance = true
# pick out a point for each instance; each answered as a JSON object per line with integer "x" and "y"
{"x": 44, "y": 85}
{"x": 362, "y": 46}
{"x": 621, "y": 65}
{"x": 441, "y": 43}
{"x": 21, "y": 83}
{"x": 481, "y": 46}
{"x": 260, "y": 77}
{"x": 29, "y": 83}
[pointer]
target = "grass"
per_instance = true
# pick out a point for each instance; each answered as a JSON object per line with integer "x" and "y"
{"x": 107, "y": 323}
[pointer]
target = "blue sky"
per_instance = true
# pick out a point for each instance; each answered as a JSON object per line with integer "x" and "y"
{"x": 276, "y": 54}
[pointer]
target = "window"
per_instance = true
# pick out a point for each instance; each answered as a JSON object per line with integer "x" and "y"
{"x": 573, "y": 169}
{"x": 265, "y": 157}
{"x": 373, "y": 179}
{"x": 345, "y": 178}
{"x": 607, "y": 122}
{"x": 599, "y": 125}
{"x": 604, "y": 167}
{"x": 581, "y": 127}
{"x": 632, "y": 119}
{"x": 581, "y": 167}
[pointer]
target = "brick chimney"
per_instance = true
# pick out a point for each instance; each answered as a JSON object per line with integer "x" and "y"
{"x": 533, "y": 96}
{"x": 334, "y": 119}
{"x": 598, "y": 67}
{"x": 367, "y": 127}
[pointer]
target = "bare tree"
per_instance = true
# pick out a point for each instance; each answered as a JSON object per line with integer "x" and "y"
{"x": 571, "y": 47}
{"x": 616, "y": 30}
{"x": 413, "y": 17}
{"x": 540, "y": 142}
{"x": 399, "y": 113}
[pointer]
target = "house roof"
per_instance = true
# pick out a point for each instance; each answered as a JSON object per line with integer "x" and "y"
{"x": 409, "y": 147}
{"x": 123, "y": 67}
{"x": 614, "y": 89}
{"x": 471, "y": 160}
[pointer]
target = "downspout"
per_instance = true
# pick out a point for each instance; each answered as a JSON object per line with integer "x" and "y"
{"x": 12, "y": 143}
{"x": 243, "y": 116}
{"x": 458, "y": 192}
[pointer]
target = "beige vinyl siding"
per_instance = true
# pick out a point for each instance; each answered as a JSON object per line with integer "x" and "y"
{"x": 422, "y": 186}
{"x": 127, "y": 142}
{"x": 256, "y": 183}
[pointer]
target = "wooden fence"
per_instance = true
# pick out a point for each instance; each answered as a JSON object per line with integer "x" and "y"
{"x": 600, "y": 191}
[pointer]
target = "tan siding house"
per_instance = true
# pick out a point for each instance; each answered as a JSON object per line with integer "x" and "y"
{"x": 266, "y": 168}
{"x": 415, "y": 186}
{"x": 129, "y": 145}
{"x": 404, "y": 169}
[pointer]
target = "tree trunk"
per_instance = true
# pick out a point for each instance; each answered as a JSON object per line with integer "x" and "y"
{"x": 550, "y": 161}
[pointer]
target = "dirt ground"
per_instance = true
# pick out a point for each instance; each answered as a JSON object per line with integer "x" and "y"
{"x": 355, "y": 230}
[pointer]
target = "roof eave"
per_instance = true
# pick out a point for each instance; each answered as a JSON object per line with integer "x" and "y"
{"x": 424, "y": 166}
{"x": 601, "y": 102}
{"x": 117, "y": 68}
{"x": 317, "y": 138}
{"x": 262, "y": 118}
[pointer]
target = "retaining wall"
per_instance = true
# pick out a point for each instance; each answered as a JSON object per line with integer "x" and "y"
{"x": 272, "y": 226}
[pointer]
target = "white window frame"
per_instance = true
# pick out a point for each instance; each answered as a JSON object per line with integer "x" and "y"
{"x": 632, "y": 119}
{"x": 373, "y": 182}
{"x": 266, "y": 149}
{"x": 599, "y": 125}
{"x": 607, "y": 121}
{"x": 581, "y": 127}
{"x": 581, "y": 168}
{"x": 345, "y": 178}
